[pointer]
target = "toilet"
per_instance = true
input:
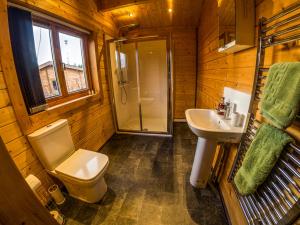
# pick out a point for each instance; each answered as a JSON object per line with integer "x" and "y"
{"x": 81, "y": 171}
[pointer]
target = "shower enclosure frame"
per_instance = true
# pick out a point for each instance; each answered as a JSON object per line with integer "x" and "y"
{"x": 169, "y": 84}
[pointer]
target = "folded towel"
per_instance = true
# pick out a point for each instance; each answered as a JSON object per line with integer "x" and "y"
{"x": 260, "y": 158}
{"x": 281, "y": 96}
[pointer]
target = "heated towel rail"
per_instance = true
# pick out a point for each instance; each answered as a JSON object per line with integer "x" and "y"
{"x": 277, "y": 200}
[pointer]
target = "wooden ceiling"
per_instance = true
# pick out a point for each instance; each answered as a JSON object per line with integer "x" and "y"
{"x": 153, "y": 13}
{"x": 227, "y": 12}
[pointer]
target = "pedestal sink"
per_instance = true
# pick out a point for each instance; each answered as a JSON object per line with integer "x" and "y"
{"x": 210, "y": 129}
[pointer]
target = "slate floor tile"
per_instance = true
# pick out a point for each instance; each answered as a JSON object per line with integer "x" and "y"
{"x": 148, "y": 180}
{"x": 125, "y": 221}
{"x": 150, "y": 214}
{"x": 86, "y": 214}
{"x": 174, "y": 215}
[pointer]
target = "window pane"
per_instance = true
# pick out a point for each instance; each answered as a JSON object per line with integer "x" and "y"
{"x": 72, "y": 58}
{"x": 43, "y": 49}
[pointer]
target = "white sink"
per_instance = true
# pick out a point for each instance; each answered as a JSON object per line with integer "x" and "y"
{"x": 210, "y": 129}
{"x": 206, "y": 123}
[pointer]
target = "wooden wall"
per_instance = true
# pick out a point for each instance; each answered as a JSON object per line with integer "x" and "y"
{"x": 90, "y": 120}
{"x": 184, "y": 60}
{"x": 217, "y": 70}
{"x": 81, "y": 13}
{"x": 184, "y": 64}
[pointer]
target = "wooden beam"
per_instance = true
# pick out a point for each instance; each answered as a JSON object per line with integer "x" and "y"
{"x": 108, "y": 5}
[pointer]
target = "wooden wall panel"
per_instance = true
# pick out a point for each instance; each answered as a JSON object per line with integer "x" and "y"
{"x": 90, "y": 121}
{"x": 184, "y": 60}
{"x": 219, "y": 70}
{"x": 81, "y": 13}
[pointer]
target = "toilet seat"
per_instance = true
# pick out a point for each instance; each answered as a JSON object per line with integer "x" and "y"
{"x": 83, "y": 166}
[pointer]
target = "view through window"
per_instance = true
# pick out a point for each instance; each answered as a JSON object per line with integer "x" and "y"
{"x": 43, "y": 49}
{"x": 71, "y": 53}
{"x": 62, "y": 69}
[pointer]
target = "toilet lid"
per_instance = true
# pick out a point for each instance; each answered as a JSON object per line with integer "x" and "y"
{"x": 83, "y": 165}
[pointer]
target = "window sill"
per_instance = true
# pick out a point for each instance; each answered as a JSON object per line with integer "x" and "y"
{"x": 77, "y": 100}
{"x": 53, "y": 113}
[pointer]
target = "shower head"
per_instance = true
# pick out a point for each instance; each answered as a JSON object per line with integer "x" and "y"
{"x": 123, "y": 30}
{"x": 120, "y": 40}
{"x": 123, "y": 39}
{"x": 130, "y": 26}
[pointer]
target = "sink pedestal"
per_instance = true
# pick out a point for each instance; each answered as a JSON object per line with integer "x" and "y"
{"x": 204, "y": 155}
{"x": 210, "y": 128}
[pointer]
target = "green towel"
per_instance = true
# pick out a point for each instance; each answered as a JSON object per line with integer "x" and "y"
{"x": 260, "y": 158}
{"x": 281, "y": 96}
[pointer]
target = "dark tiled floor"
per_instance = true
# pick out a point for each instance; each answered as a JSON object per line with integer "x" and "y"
{"x": 148, "y": 180}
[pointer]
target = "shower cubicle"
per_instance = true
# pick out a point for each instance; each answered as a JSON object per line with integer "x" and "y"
{"x": 141, "y": 84}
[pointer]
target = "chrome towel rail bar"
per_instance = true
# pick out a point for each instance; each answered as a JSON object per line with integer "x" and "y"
{"x": 282, "y": 13}
{"x": 276, "y": 201}
{"x": 281, "y": 23}
{"x": 282, "y": 32}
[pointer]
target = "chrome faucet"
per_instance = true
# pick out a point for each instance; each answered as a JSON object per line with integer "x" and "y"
{"x": 228, "y": 110}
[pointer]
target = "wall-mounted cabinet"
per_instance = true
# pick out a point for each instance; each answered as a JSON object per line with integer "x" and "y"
{"x": 236, "y": 25}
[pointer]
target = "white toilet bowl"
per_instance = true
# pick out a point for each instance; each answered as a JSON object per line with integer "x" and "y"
{"x": 83, "y": 175}
{"x": 81, "y": 171}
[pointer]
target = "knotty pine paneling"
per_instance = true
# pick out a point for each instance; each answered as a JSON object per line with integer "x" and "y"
{"x": 91, "y": 123}
{"x": 81, "y": 13}
{"x": 154, "y": 14}
{"x": 108, "y": 5}
{"x": 219, "y": 70}
{"x": 184, "y": 65}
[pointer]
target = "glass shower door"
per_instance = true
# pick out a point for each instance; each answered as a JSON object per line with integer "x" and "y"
{"x": 153, "y": 80}
{"x": 125, "y": 85}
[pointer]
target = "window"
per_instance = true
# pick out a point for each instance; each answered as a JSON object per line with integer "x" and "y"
{"x": 63, "y": 63}
{"x": 73, "y": 63}
{"x": 45, "y": 57}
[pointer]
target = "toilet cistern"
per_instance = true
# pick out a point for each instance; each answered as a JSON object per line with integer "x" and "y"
{"x": 81, "y": 171}
{"x": 211, "y": 129}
